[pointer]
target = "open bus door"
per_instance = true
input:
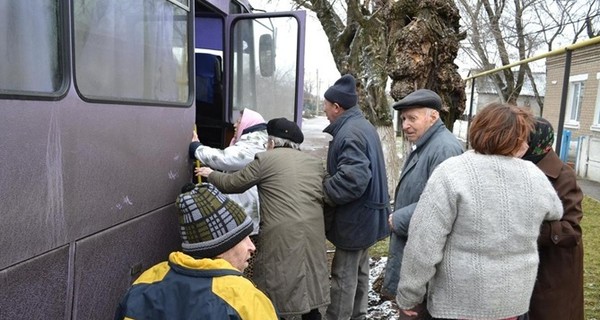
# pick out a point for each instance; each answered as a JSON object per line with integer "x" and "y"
{"x": 259, "y": 65}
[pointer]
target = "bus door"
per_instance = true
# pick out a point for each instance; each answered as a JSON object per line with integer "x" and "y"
{"x": 266, "y": 63}
{"x": 253, "y": 61}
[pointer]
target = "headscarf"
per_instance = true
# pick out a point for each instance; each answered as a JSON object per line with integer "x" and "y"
{"x": 249, "y": 119}
{"x": 540, "y": 140}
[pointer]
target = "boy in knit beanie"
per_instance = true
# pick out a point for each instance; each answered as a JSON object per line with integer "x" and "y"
{"x": 205, "y": 280}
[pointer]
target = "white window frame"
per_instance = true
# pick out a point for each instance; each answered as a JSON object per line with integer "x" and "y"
{"x": 596, "y": 124}
{"x": 572, "y": 120}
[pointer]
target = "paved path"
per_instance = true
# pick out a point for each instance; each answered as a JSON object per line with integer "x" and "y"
{"x": 590, "y": 188}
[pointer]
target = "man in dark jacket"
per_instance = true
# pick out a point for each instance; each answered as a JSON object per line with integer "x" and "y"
{"x": 205, "y": 280}
{"x": 356, "y": 189}
{"x": 432, "y": 143}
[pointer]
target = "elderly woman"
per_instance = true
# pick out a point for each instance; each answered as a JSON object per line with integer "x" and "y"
{"x": 558, "y": 291}
{"x": 472, "y": 243}
{"x": 249, "y": 138}
{"x": 291, "y": 263}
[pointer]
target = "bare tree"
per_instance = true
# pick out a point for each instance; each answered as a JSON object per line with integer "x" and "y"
{"x": 412, "y": 42}
{"x": 504, "y": 32}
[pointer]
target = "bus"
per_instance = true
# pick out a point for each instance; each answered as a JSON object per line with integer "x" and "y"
{"x": 98, "y": 101}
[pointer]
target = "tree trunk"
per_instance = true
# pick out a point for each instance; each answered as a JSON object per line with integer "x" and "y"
{"x": 392, "y": 161}
{"x": 412, "y": 42}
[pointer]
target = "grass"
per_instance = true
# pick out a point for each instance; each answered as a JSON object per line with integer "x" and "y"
{"x": 591, "y": 242}
{"x": 591, "y": 260}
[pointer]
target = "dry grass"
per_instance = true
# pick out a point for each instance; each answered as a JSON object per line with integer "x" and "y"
{"x": 591, "y": 240}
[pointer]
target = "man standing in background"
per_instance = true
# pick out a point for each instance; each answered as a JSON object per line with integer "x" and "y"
{"x": 432, "y": 143}
{"x": 356, "y": 189}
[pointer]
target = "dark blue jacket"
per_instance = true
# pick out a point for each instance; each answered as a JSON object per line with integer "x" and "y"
{"x": 357, "y": 183}
{"x": 186, "y": 288}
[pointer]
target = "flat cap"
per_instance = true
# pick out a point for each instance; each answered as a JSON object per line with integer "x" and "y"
{"x": 420, "y": 98}
{"x": 285, "y": 129}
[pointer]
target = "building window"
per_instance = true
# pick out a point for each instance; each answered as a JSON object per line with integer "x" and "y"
{"x": 574, "y": 99}
{"x": 596, "y": 123}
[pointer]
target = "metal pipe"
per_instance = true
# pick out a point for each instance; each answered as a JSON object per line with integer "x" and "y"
{"x": 469, "y": 116}
{"x": 563, "y": 100}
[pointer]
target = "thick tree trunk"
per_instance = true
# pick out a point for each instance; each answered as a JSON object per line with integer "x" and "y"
{"x": 392, "y": 161}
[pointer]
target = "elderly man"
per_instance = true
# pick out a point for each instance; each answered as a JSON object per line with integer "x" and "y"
{"x": 432, "y": 143}
{"x": 205, "y": 280}
{"x": 291, "y": 265}
{"x": 356, "y": 188}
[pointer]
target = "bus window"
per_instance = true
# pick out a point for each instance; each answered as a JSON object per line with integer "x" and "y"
{"x": 265, "y": 80}
{"x": 34, "y": 65}
{"x": 131, "y": 50}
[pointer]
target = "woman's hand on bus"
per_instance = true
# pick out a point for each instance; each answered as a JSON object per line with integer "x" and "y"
{"x": 195, "y": 136}
{"x": 203, "y": 171}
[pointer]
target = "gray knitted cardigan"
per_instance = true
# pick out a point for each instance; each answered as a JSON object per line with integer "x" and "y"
{"x": 472, "y": 238}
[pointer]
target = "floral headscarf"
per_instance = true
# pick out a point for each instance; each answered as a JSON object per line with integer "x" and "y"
{"x": 540, "y": 140}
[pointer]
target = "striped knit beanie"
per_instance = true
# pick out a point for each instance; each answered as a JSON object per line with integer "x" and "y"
{"x": 210, "y": 223}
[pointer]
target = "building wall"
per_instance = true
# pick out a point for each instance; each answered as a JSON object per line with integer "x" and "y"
{"x": 585, "y": 61}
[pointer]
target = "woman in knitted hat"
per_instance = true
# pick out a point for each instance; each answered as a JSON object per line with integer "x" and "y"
{"x": 204, "y": 281}
{"x": 472, "y": 244}
{"x": 558, "y": 291}
{"x": 291, "y": 265}
{"x": 249, "y": 138}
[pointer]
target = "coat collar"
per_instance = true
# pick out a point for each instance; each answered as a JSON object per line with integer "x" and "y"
{"x": 335, "y": 126}
{"x": 435, "y": 127}
{"x": 551, "y": 164}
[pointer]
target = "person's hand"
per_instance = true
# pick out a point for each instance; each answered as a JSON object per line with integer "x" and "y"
{"x": 203, "y": 172}
{"x": 195, "y": 137}
{"x": 410, "y": 313}
{"x": 390, "y": 219}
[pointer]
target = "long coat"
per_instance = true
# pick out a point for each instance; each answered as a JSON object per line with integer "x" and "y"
{"x": 357, "y": 183}
{"x": 291, "y": 263}
{"x": 558, "y": 291}
{"x": 435, "y": 146}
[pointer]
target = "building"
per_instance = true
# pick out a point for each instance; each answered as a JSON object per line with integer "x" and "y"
{"x": 582, "y": 111}
{"x": 486, "y": 91}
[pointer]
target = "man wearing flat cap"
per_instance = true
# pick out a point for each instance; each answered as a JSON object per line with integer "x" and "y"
{"x": 291, "y": 264}
{"x": 356, "y": 191}
{"x": 432, "y": 143}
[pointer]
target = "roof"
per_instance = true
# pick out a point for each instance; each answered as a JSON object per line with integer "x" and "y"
{"x": 486, "y": 85}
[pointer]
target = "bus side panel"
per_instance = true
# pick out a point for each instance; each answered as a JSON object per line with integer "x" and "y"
{"x": 108, "y": 262}
{"x": 71, "y": 169}
{"x": 32, "y": 216}
{"x": 36, "y": 288}
{"x": 123, "y": 161}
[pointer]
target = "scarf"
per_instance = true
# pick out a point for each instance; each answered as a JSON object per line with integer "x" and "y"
{"x": 540, "y": 141}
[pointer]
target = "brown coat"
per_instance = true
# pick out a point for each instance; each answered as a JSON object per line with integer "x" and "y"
{"x": 558, "y": 291}
{"x": 291, "y": 259}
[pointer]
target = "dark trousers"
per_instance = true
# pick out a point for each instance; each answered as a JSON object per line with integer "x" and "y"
{"x": 521, "y": 317}
{"x": 314, "y": 314}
